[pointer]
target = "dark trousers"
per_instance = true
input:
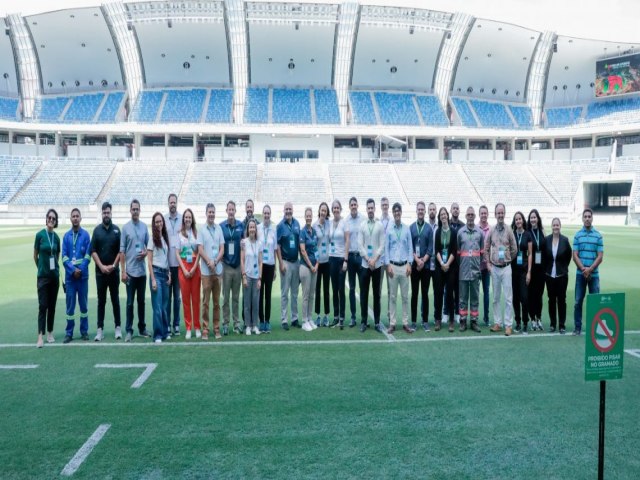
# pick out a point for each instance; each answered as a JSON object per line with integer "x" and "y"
{"x": 337, "y": 286}
{"x": 323, "y": 278}
{"x": 367, "y": 277}
{"x": 135, "y": 288}
{"x": 520, "y": 295}
{"x": 485, "y": 277}
{"x": 536, "y": 289}
{"x": 442, "y": 280}
{"x": 455, "y": 291}
{"x": 354, "y": 268}
{"x": 174, "y": 298}
{"x": 557, "y": 293}
{"x": 47, "y": 297}
{"x": 264, "y": 304}
{"x": 420, "y": 279}
{"x": 112, "y": 283}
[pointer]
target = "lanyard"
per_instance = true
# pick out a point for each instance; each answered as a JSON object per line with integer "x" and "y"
{"x": 334, "y": 230}
{"x": 371, "y": 226}
{"x": 51, "y": 238}
{"x": 419, "y": 228}
{"x": 232, "y": 232}
{"x": 519, "y": 238}
{"x": 398, "y": 232}
{"x": 212, "y": 233}
{"x": 290, "y": 227}
{"x": 75, "y": 239}
{"x": 536, "y": 236}
{"x": 254, "y": 249}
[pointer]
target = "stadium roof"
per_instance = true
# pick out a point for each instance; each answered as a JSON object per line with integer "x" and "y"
{"x": 614, "y": 21}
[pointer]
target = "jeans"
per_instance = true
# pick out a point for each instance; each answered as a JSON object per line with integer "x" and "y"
{"x": 47, "y": 297}
{"x": 251, "y": 300}
{"x": 485, "y": 278}
{"x": 337, "y": 286}
{"x": 174, "y": 298}
{"x": 354, "y": 267}
{"x": 581, "y": 290}
{"x": 135, "y": 288}
{"x": 77, "y": 287}
{"x": 112, "y": 283}
{"x": 159, "y": 303}
{"x": 322, "y": 283}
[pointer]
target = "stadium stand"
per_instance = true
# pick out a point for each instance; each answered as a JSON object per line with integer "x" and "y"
{"x": 111, "y": 107}
{"x": 302, "y": 182}
{"x": 522, "y": 115}
{"x": 291, "y": 106}
{"x": 83, "y": 108}
{"x": 147, "y": 106}
{"x": 630, "y": 165}
{"x": 49, "y": 109}
{"x": 396, "y": 108}
{"x": 465, "y": 114}
{"x": 491, "y": 114}
{"x": 362, "y": 109}
{"x": 220, "y": 106}
{"x": 148, "y": 181}
{"x": 623, "y": 110}
{"x": 563, "y": 117}
{"x": 257, "y": 106}
{"x": 82, "y": 182}
{"x": 9, "y": 108}
{"x": 556, "y": 177}
{"x": 219, "y": 183}
{"x": 363, "y": 181}
{"x": 326, "y": 103}
{"x": 14, "y": 173}
{"x": 431, "y": 111}
{"x": 183, "y": 106}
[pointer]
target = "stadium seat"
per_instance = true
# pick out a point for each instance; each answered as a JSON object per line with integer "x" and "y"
{"x": 563, "y": 117}
{"x": 9, "y": 108}
{"x": 396, "y": 108}
{"x": 49, "y": 109}
{"x": 220, "y": 106}
{"x": 147, "y": 106}
{"x": 491, "y": 114}
{"x": 257, "y": 106}
{"x": 14, "y": 173}
{"x": 464, "y": 112}
{"x": 362, "y": 110}
{"x": 326, "y": 103}
{"x": 183, "y": 106}
{"x": 431, "y": 111}
{"x": 291, "y": 106}
{"x": 523, "y": 116}
{"x": 111, "y": 107}
{"x": 83, "y": 108}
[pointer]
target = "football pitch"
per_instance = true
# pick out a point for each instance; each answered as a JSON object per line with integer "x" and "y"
{"x": 322, "y": 404}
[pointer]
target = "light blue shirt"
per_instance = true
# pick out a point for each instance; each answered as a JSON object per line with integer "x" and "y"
{"x": 212, "y": 240}
{"x": 398, "y": 244}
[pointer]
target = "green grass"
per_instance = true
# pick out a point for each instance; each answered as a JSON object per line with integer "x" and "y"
{"x": 492, "y": 408}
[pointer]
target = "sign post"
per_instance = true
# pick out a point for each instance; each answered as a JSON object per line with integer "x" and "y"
{"x": 604, "y": 352}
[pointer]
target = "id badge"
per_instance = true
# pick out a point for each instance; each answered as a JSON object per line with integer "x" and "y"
{"x": 333, "y": 247}
{"x": 292, "y": 243}
{"x": 445, "y": 256}
{"x": 255, "y": 269}
{"x": 73, "y": 260}
{"x": 52, "y": 263}
{"x": 214, "y": 253}
{"x": 232, "y": 249}
{"x": 538, "y": 258}
{"x": 519, "y": 258}
{"x": 189, "y": 257}
{"x": 265, "y": 254}
{"x": 369, "y": 251}
{"x": 323, "y": 248}
{"x": 501, "y": 254}
{"x": 417, "y": 250}
{"x": 471, "y": 253}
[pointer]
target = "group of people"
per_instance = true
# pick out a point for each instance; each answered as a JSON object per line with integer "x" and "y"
{"x": 193, "y": 266}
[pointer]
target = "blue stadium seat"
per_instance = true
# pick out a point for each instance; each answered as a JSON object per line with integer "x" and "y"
{"x": 183, "y": 106}
{"x": 616, "y": 109}
{"x": 220, "y": 106}
{"x": 362, "y": 108}
{"x": 464, "y": 112}
{"x": 49, "y": 109}
{"x": 396, "y": 108}
{"x": 291, "y": 106}
{"x": 523, "y": 116}
{"x": 431, "y": 111}
{"x": 327, "y": 112}
{"x": 84, "y": 108}
{"x": 147, "y": 106}
{"x": 492, "y": 114}
{"x": 257, "y": 105}
{"x": 111, "y": 107}
{"x": 563, "y": 117}
{"x": 9, "y": 108}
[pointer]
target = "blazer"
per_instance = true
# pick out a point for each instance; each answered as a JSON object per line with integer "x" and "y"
{"x": 452, "y": 247}
{"x": 563, "y": 257}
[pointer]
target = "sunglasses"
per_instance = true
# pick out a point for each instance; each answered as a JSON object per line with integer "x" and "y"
{"x": 51, "y": 218}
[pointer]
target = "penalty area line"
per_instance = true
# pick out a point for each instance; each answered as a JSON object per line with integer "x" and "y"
{"x": 148, "y": 370}
{"x": 82, "y": 454}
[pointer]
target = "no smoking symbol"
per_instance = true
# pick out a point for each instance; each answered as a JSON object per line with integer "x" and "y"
{"x": 603, "y": 336}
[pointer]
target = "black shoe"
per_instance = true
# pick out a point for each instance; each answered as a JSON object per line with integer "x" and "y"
{"x": 352, "y": 323}
{"x": 552, "y": 329}
{"x": 84, "y": 337}
{"x": 285, "y": 326}
{"x": 341, "y": 324}
{"x": 378, "y": 328}
{"x": 425, "y": 326}
{"x": 225, "y": 330}
{"x": 518, "y": 327}
{"x": 475, "y": 327}
{"x": 576, "y": 332}
{"x": 67, "y": 339}
{"x": 363, "y": 327}
{"x": 334, "y": 323}
{"x": 414, "y": 326}
{"x": 296, "y": 324}
{"x": 562, "y": 331}
{"x": 145, "y": 334}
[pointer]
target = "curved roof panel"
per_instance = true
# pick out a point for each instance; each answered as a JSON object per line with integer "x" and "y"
{"x": 8, "y": 72}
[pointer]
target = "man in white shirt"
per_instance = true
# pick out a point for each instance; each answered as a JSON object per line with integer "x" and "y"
{"x": 371, "y": 249}
{"x": 211, "y": 250}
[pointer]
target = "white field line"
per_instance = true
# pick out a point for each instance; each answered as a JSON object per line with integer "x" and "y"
{"x": 634, "y": 352}
{"x": 17, "y": 367}
{"x": 82, "y": 454}
{"x": 389, "y": 336}
{"x": 148, "y": 370}
{"x": 235, "y": 343}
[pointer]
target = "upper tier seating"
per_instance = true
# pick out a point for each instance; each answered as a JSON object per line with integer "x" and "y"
{"x": 492, "y": 114}
{"x": 257, "y": 106}
{"x": 183, "y": 106}
{"x": 291, "y": 106}
{"x": 362, "y": 109}
{"x": 326, "y": 102}
{"x": 396, "y": 108}
{"x": 563, "y": 116}
{"x": 220, "y": 106}
{"x": 9, "y": 108}
{"x": 464, "y": 112}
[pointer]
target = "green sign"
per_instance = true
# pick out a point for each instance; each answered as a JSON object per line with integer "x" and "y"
{"x": 604, "y": 335}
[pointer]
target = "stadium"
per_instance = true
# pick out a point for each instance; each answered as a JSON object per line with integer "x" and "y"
{"x": 309, "y": 102}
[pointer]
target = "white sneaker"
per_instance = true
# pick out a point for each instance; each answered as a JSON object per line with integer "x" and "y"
{"x": 50, "y": 338}
{"x": 118, "y": 333}
{"x": 198, "y": 333}
{"x": 157, "y": 341}
{"x": 306, "y": 327}
{"x": 255, "y": 330}
{"x": 99, "y": 336}
{"x": 445, "y": 318}
{"x": 187, "y": 335}
{"x": 457, "y": 318}
{"x": 313, "y": 325}
{"x": 247, "y": 331}
{"x": 128, "y": 337}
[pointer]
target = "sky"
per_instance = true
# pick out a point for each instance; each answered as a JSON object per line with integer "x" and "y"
{"x": 613, "y": 20}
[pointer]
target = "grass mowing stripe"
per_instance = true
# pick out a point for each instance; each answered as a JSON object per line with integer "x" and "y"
{"x": 82, "y": 454}
{"x": 148, "y": 370}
